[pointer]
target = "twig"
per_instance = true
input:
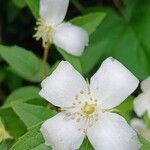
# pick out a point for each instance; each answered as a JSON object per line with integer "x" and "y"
{"x": 44, "y": 63}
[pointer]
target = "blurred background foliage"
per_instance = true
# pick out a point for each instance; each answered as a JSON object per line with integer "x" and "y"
{"x": 123, "y": 33}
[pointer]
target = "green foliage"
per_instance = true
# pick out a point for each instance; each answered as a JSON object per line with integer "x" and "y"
{"x": 127, "y": 38}
{"x": 146, "y": 120}
{"x": 22, "y": 94}
{"x": 2, "y": 75}
{"x": 145, "y": 144}
{"x": 126, "y": 108}
{"x": 32, "y": 140}
{"x": 12, "y": 122}
{"x": 86, "y": 145}
{"x": 75, "y": 61}
{"x": 32, "y": 114}
{"x": 5, "y": 145}
{"x": 34, "y": 6}
{"x": 92, "y": 56}
{"x": 89, "y": 22}
{"x": 24, "y": 62}
{"x": 19, "y": 3}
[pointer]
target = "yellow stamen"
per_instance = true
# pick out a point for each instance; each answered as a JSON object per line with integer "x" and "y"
{"x": 43, "y": 31}
{"x": 88, "y": 109}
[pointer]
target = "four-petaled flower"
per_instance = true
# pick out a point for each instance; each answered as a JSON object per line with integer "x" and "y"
{"x": 87, "y": 108}
{"x": 142, "y": 102}
{"x": 52, "y": 29}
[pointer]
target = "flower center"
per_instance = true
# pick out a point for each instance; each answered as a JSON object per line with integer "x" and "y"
{"x": 89, "y": 109}
{"x": 44, "y": 31}
{"x": 83, "y": 110}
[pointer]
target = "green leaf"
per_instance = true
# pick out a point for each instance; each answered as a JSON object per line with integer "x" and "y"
{"x": 24, "y": 62}
{"x": 22, "y": 94}
{"x": 13, "y": 10}
{"x": 145, "y": 144}
{"x": 34, "y": 7}
{"x": 126, "y": 38}
{"x": 86, "y": 145}
{"x": 126, "y": 108}
{"x": 2, "y": 75}
{"x": 5, "y": 145}
{"x": 19, "y": 3}
{"x": 32, "y": 114}
{"x": 42, "y": 147}
{"x": 89, "y": 22}
{"x": 12, "y": 122}
{"x": 72, "y": 59}
{"x": 92, "y": 56}
{"x": 146, "y": 120}
{"x": 32, "y": 140}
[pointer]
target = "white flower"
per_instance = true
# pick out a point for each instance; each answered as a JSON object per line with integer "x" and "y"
{"x": 52, "y": 29}
{"x": 140, "y": 128}
{"x": 87, "y": 108}
{"x": 142, "y": 102}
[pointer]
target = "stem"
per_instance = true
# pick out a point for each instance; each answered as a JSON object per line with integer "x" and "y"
{"x": 78, "y": 5}
{"x": 44, "y": 63}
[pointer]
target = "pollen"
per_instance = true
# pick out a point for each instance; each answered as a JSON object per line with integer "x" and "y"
{"x": 43, "y": 31}
{"x": 89, "y": 109}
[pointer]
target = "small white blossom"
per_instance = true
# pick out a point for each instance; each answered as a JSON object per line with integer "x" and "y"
{"x": 87, "y": 108}
{"x": 52, "y": 29}
{"x": 142, "y": 101}
{"x": 140, "y": 128}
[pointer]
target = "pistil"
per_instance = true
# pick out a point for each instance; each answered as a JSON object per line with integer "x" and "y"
{"x": 89, "y": 109}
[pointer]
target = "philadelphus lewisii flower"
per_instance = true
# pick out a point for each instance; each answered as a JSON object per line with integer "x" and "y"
{"x": 52, "y": 29}
{"x": 142, "y": 102}
{"x": 140, "y": 127}
{"x": 87, "y": 108}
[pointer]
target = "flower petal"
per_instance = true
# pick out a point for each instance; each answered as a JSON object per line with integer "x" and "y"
{"x": 71, "y": 38}
{"x": 53, "y": 11}
{"x": 113, "y": 83}
{"x": 145, "y": 85}
{"x": 111, "y": 131}
{"x": 141, "y": 104}
{"x": 138, "y": 125}
{"x": 62, "y": 134}
{"x": 61, "y": 87}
